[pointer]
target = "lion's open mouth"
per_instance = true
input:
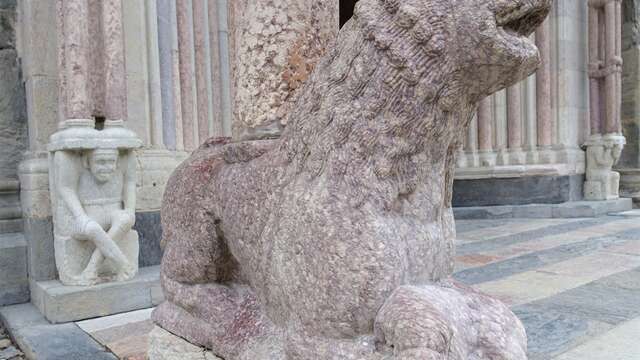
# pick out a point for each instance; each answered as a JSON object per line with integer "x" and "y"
{"x": 523, "y": 19}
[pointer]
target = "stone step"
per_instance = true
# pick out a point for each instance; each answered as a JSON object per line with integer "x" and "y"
{"x": 14, "y": 284}
{"x": 567, "y": 210}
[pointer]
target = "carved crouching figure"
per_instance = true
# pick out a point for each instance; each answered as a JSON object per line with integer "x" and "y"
{"x": 93, "y": 193}
{"x": 603, "y": 153}
{"x": 336, "y": 241}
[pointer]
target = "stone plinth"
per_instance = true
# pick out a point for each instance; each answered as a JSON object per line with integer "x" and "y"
{"x": 60, "y": 303}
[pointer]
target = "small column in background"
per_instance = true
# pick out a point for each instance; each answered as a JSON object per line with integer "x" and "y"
{"x": 605, "y": 144}
{"x": 486, "y": 153}
{"x": 545, "y": 126}
{"x": 514, "y": 125}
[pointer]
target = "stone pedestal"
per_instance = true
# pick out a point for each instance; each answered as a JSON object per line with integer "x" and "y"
{"x": 60, "y": 303}
{"x": 603, "y": 152}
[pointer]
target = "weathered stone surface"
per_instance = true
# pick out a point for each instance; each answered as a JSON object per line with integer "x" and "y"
{"x": 163, "y": 345}
{"x": 336, "y": 241}
{"x": 13, "y": 129}
{"x": 284, "y": 40}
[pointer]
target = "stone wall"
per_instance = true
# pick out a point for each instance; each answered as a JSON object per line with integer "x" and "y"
{"x": 13, "y": 128}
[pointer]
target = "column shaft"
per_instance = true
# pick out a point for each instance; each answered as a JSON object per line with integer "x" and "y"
{"x": 594, "y": 67}
{"x": 611, "y": 105}
{"x": 76, "y": 69}
{"x": 186, "y": 74}
{"x": 202, "y": 98}
{"x": 514, "y": 116}
{"x": 543, "y": 87}
{"x": 115, "y": 74}
{"x": 485, "y": 132}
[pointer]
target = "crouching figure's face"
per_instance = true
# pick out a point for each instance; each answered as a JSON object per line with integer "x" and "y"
{"x": 103, "y": 164}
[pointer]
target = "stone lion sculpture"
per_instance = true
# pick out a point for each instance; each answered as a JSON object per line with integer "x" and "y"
{"x": 336, "y": 241}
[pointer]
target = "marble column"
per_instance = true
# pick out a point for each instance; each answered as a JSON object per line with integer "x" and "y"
{"x": 200, "y": 34}
{"x": 185, "y": 46}
{"x": 75, "y": 85}
{"x": 114, "y": 71}
{"x": 595, "y": 112}
{"x": 274, "y": 46}
{"x": 605, "y": 144}
{"x": 485, "y": 133}
{"x": 543, "y": 87}
{"x": 629, "y": 164}
{"x": 514, "y": 124}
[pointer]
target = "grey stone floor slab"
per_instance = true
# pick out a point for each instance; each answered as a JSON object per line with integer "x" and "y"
{"x": 40, "y": 340}
{"x": 511, "y": 239}
{"x": 534, "y": 260}
{"x": 563, "y": 321}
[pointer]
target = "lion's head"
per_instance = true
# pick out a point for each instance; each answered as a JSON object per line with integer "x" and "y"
{"x": 455, "y": 50}
{"x": 492, "y": 41}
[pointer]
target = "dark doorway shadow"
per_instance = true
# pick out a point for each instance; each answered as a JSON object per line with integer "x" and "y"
{"x": 346, "y": 10}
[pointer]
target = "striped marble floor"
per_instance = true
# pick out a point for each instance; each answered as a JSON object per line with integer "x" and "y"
{"x": 574, "y": 283}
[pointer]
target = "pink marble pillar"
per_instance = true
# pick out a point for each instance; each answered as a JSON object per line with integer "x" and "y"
{"x": 76, "y": 66}
{"x": 186, "y": 74}
{"x": 543, "y": 87}
{"x": 595, "y": 112}
{"x": 216, "y": 76}
{"x": 485, "y": 131}
{"x": 605, "y": 70}
{"x": 514, "y": 117}
{"x": 202, "y": 96}
{"x": 611, "y": 107}
{"x": 114, "y": 65}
